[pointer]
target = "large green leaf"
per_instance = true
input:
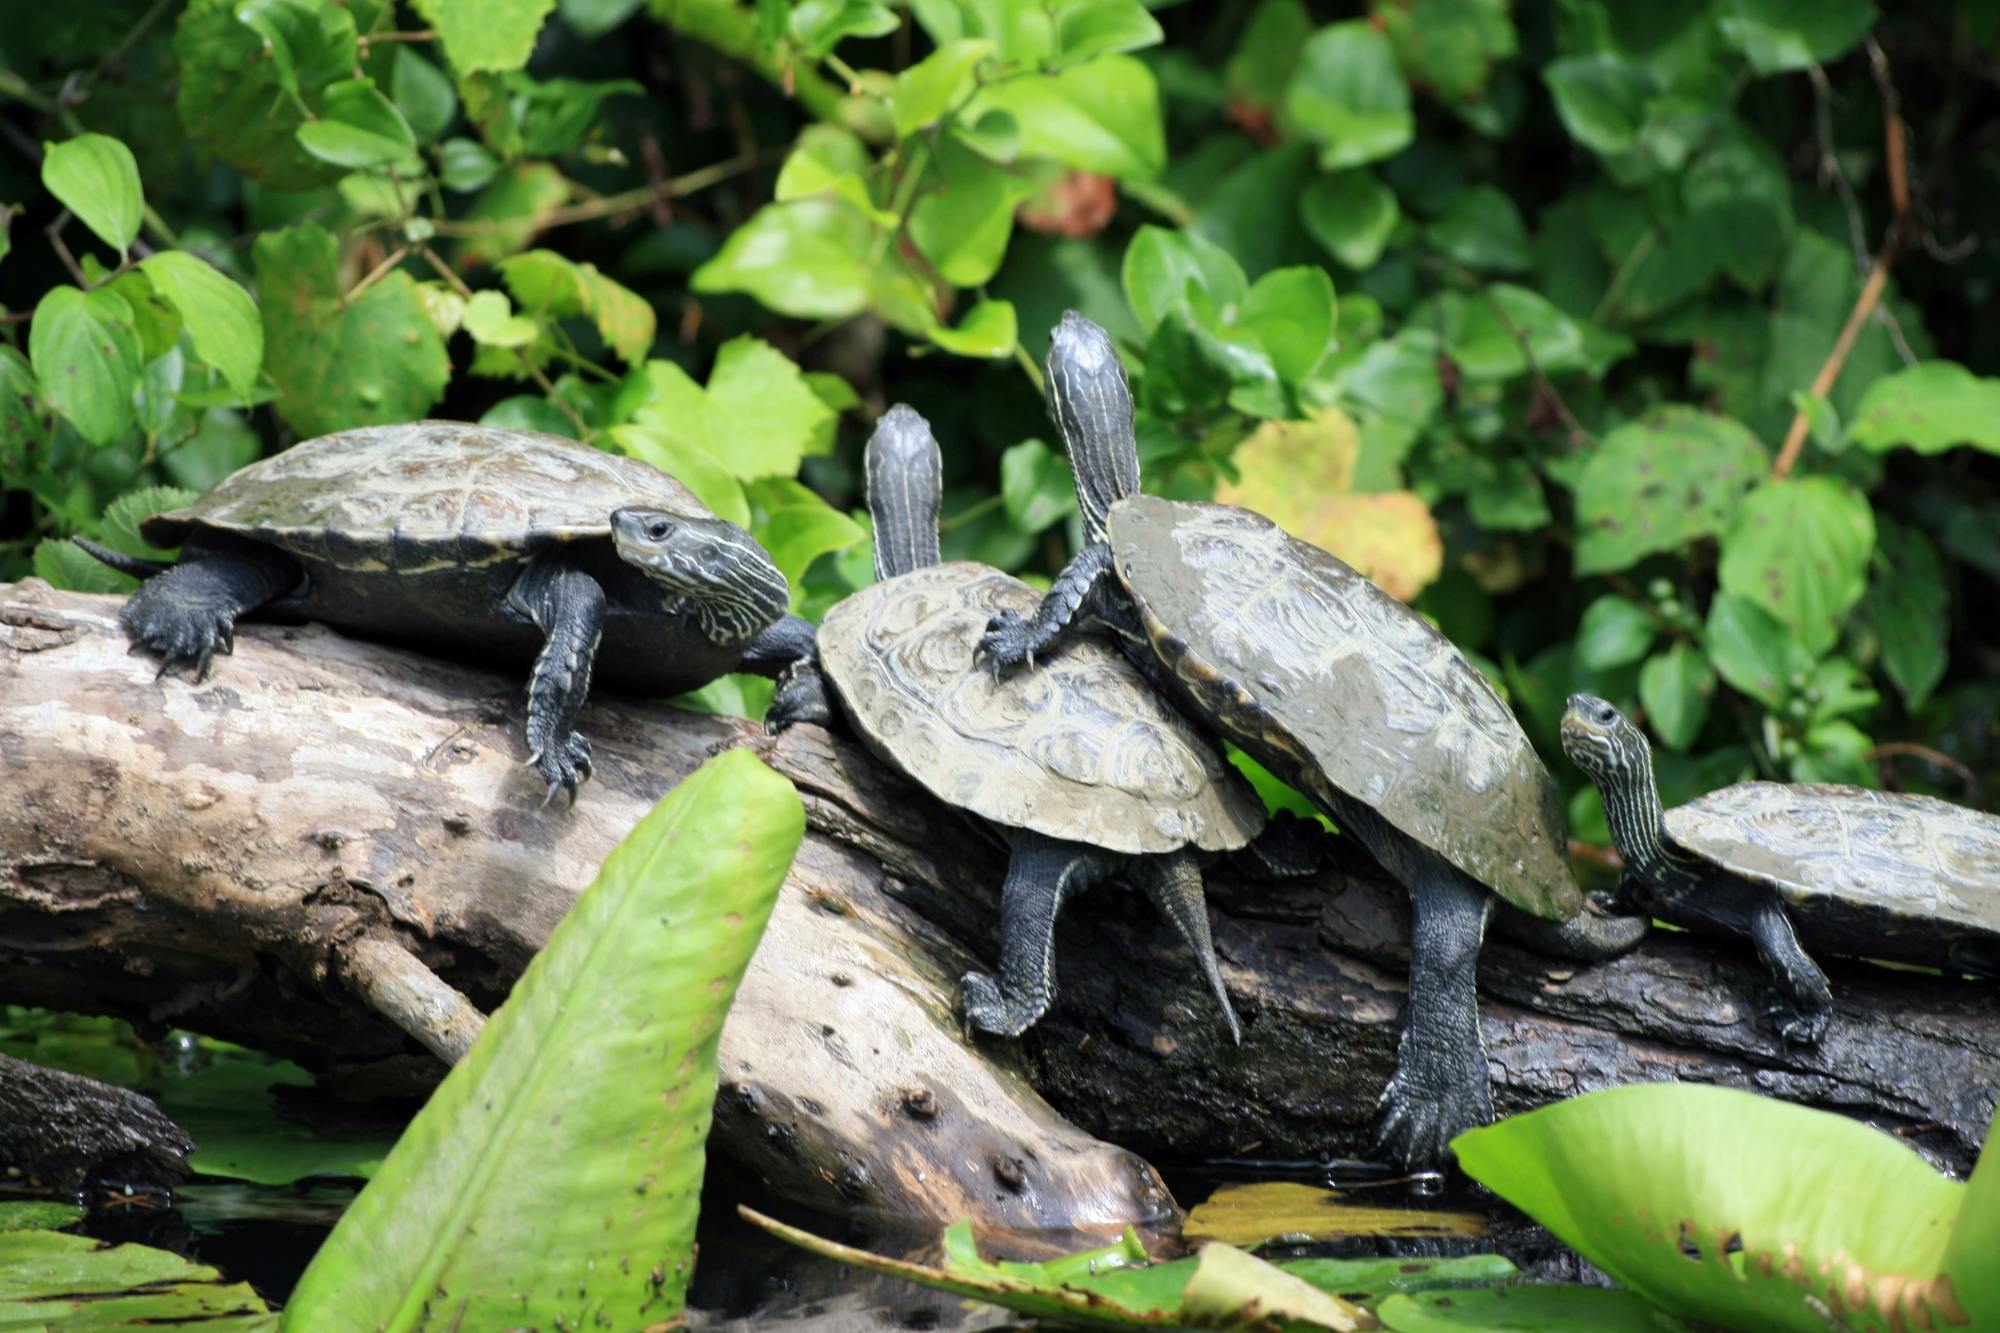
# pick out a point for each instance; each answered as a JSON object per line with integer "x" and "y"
{"x": 932, "y": 88}
{"x": 95, "y": 177}
{"x": 1911, "y": 610}
{"x": 554, "y": 1177}
{"x": 963, "y": 224}
{"x": 1103, "y": 116}
{"x": 248, "y": 83}
{"x": 1351, "y": 214}
{"x": 547, "y": 283}
{"x": 1660, "y": 482}
{"x": 1348, "y": 95}
{"x": 1160, "y": 264}
{"x": 1975, "y": 1238}
{"x": 806, "y": 259}
{"x": 1724, "y": 1206}
{"x": 369, "y": 361}
{"x": 486, "y": 34}
{"x": 358, "y": 127}
{"x": 1754, "y": 651}
{"x": 1676, "y": 686}
{"x": 1800, "y": 549}
{"x": 1449, "y": 46}
{"x": 1601, "y": 100}
{"x": 1527, "y": 1307}
{"x": 86, "y": 356}
{"x": 1614, "y": 632}
{"x": 1292, "y": 312}
{"x": 1086, "y": 29}
{"x": 219, "y": 315}
{"x": 1930, "y": 407}
{"x": 59, "y": 1282}
{"x": 756, "y": 418}
{"x": 1780, "y": 35}
{"x": 1482, "y": 229}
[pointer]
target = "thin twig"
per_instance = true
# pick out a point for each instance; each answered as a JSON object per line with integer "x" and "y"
{"x": 370, "y": 38}
{"x": 607, "y": 205}
{"x": 54, "y": 232}
{"x": 1911, "y": 749}
{"x": 376, "y": 274}
{"x": 1543, "y": 384}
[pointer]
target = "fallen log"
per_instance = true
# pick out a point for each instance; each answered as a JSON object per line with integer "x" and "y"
{"x": 330, "y": 850}
{"x": 63, "y": 1132}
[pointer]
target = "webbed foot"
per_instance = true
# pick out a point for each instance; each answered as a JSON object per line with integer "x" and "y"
{"x": 801, "y": 696}
{"x": 1433, "y": 1097}
{"x": 180, "y": 630}
{"x": 989, "y": 1008}
{"x": 1007, "y": 642}
{"x": 565, "y": 766}
{"x": 1800, "y": 1027}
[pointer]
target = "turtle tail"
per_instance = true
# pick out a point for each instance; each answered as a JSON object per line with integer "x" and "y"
{"x": 118, "y": 560}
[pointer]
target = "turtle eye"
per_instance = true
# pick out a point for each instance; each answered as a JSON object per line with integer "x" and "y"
{"x": 1607, "y": 714}
{"x": 658, "y": 530}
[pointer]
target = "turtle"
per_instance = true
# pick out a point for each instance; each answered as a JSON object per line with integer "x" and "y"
{"x": 1083, "y": 771}
{"x": 483, "y": 543}
{"x": 1340, "y": 690}
{"x": 1851, "y": 871}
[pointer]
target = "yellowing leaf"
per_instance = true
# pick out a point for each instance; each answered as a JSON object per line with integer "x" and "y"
{"x": 1252, "y": 1214}
{"x": 1231, "y": 1289}
{"x": 1298, "y": 473}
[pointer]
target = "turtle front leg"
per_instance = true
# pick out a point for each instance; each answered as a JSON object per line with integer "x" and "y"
{"x": 802, "y": 696}
{"x": 1440, "y": 1085}
{"x": 1041, "y": 875}
{"x": 1173, "y": 882}
{"x": 1012, "y": 638}
{"x": 779, "y": 646}
{"x": 1796, "y": 973}
{"x": 567, "y": 605}
{"x": 188, "y": 612}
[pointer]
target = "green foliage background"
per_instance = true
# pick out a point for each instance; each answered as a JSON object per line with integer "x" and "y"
{"x": 1511, "y": 305}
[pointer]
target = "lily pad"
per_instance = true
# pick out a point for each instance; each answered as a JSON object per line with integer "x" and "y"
{"x": 1296, "y": 1212}
{"x": 53, "y": 1281}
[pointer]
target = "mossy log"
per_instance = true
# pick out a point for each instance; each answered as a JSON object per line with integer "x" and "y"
{"x": 332, "y": 851}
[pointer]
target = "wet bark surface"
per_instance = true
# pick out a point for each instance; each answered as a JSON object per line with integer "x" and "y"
{"x": 62, "y": 1131}
{"x": 286, "y": 854}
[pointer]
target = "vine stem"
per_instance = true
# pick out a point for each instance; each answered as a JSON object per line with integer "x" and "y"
{"x": 1897, "y": 160}
{"x": 459, "y": 285}
{"x": 623, "y": 202}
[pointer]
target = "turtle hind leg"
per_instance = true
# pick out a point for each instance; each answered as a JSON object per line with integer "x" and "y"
{"x": 1042, "y": 873}
{"x": 1811, "y": 999}
{"x": 1012, "y": 639}
{"x": 188, "y": 612}
{"x": 568, "y": 606}
{"x": 1439, "y": 1088}
{"x": 1588, "y": 937}
{"x": 1173, "y": 882}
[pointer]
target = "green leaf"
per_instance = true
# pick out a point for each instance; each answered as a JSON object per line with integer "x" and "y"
{"x": 1485, "y": 333}
{"x": 1930, "y": 407}
{"x": 1035, "y": 486}
{"x": 1351, "y": 214}
{"x": 1450, "y": 46}
{"x": 988, "y": 331}
{"x": 1482, "y": 230}
{"x": 220, "y": 445}
{"x": 594, "y": 18}
{"x": 828, "y": 159}
{"x": 501, "y": 1192}
{"x": 1160, "y": 264}
{"x": 1737, "y": 198}
{"x": 219, "y": 315}
{"x": 465, "y": 165}
{"x": 63, "y": 564}
{"x": 486, "y": 34}
{"x": 358, "y": 127}
{"x": 423, "y": 94}
{"x": 769, "y": 414}
{"x": 963, "y": 225}
{"x": 1615, "y": 632}
{"x": 817, "y": 26}
{"x": 797, "y": 535}
{"x": 1836, "y": 752}
{"x": 1291, "y": 310}
{"x": 492, "y": 322}
{"x": 38, "y": 1215}
{"x": 1600, "y": 99}
{"x": 526, "y": 411}
{"x": 682, "y": 456}
{"x": 1531, "y": 1307}
{"x": 77, "y": 1283}
{"x": 1087, "y": 29}
{"x": 1911, "y": 610}
{"x": 96, "y": 177}
{"x": 1800, "y": 549}
{"x": 1656, "y": 484}
{"x": 510, "y": 211}
{"x": 1754, "y": 651}
{"x": 247, "y": 86}
{"x": 1102, "y": 117}
{"x": 1768, "y": 1196}
{"x": 930, "y": 89}
{"x": 1268, "y": 52}
{"x": 1975, "y": 1238}
{"x": 338, "y": 363}
{"x": 1676, "y": 686}
{"x": 1348, "y": 95}
{"x": 805, "y": 259}
{"x": 1780, "y": 35}
{"x": 86, "y": 356}
{"x": 231, "y": 1109}
{"x": 123, "y": 516}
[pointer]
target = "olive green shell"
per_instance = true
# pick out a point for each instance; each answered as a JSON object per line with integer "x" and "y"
{"x": 1909, "y": 856}
{"x": 1080, "y": 749}
{"x": 1286, "y": 646}
{"x": 426, "y": 495}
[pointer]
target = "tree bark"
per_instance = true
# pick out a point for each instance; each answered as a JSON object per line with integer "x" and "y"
{"x": 330, "y": 850}
{"x": 61, "y": 1131}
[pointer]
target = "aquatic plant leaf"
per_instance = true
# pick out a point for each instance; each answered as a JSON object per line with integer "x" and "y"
{"x": 1731, "y": 1208}
{"x": 554, "y": 1177}
{"x": 52, "y": 1281}
{"x": 1266, "y": 1210}
{"x": 1540, "y": 1307}
{"x": 38, "y": 1215}
{"x": 1969, "y": 1258}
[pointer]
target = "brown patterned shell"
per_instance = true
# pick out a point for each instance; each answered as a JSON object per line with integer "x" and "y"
{"x": 1080, "y": 748}
{"x": 1284, "y": 645}
{"x": 1908, "y": 856}
{"x": 426, "y": 495}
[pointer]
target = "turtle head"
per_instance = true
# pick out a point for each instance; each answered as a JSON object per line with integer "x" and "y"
{"x": 1602, "y": 742}
{"x": 726, "y": 577}
{"x": 1091, "y": 405}
{"x": 905, "y": 484}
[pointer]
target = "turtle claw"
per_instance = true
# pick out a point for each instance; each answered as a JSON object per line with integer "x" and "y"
{"x": 182, "y": 634}
{"x": 1007, "y": 642}
{"x": 1800, "y": 1028}
{"x": 989, "y": 1008}
{"x": 565, "y": 767}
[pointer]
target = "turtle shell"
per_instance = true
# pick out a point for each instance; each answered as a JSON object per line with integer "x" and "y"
{"x": 1896, "y": 854}
{"x": 1294, "y": 653}
{"x": 1081, "y": 749}
{"x": 425, "y": 496}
